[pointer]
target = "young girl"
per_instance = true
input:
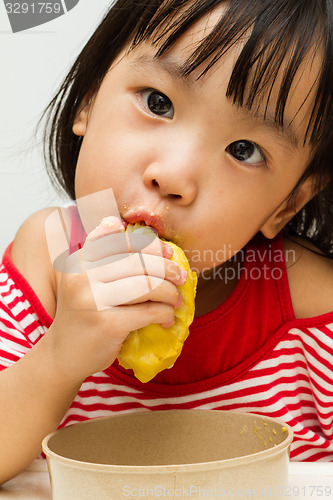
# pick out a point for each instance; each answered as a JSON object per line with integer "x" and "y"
{"x": 212, "y": 123}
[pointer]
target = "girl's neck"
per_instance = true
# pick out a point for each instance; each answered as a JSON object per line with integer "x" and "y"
{"x": 215, "y": 286}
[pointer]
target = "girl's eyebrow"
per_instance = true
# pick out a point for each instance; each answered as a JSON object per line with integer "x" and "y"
{"x": 285, "y": 132}
{"x": 172, "y": 67}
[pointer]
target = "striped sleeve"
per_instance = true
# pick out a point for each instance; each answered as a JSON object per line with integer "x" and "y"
{"x": 20, "y": 327}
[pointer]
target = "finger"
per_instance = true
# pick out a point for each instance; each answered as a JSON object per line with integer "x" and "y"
{"x": 159, "y": 290}
{"x": 131, "y": 317}
{"x": 108, "y": 225}
{"x": 101, "y": 248}
{"x": 145, "y": 240}
{"x": 121, "y": 266}
{"x": 122, "y": 242}
{"x": 172, "y": 271}
{"x": 134, "y": 290}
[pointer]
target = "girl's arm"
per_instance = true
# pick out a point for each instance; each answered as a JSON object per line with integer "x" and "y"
{"x": 34, "y": 397}
{"x": 36, "y": 391}
{"x": 33, "y": 394}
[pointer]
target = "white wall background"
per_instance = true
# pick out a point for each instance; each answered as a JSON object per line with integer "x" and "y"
{"x": 33, "y": 63}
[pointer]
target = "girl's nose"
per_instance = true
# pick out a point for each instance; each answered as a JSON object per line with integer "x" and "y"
{"x": 175, "y": 178}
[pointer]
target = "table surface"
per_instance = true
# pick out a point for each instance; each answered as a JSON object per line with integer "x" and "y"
{"x": 307, "y": 481}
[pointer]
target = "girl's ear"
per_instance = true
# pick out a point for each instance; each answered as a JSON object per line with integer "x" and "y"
{"x": 82, "y": 116}
{"x": 285, "y": 212}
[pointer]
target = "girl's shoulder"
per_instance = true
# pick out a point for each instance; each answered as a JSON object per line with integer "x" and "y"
{"x": 30, "y": 255}
{"x": 310, "y": 276}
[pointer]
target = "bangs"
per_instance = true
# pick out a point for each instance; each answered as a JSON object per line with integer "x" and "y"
{"x": 274, "y": 34}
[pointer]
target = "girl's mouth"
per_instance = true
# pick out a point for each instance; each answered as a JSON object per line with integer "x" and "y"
{"x": 145, "y": 217}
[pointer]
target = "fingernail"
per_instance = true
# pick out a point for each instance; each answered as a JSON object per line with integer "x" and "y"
{"x": 182, "y": 276}
{"x": 168, "y": 324}
{"x": 168, "y": 251}
{"x": 179, "y": 301}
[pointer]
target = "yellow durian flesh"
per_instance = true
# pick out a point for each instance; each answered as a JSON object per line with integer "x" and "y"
{"x": 149, "y": 350}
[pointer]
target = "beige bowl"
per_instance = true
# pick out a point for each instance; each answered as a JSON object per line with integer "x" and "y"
{"x": 169, "y": 454}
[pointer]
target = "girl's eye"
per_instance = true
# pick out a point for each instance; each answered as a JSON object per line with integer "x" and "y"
{"x": 247, "y": 152}
{"x": 157, "y": 103}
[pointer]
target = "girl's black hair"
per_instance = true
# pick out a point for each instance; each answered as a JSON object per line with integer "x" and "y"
{"x": 279, "y": 31}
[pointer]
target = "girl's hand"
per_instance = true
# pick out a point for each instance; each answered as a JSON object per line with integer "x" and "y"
{"x": 118, "y": 282}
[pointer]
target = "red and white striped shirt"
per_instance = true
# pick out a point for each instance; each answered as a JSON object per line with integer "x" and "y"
{"x": 250, "y": 355}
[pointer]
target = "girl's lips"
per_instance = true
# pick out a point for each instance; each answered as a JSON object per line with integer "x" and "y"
{"x": 149, "y": 218}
